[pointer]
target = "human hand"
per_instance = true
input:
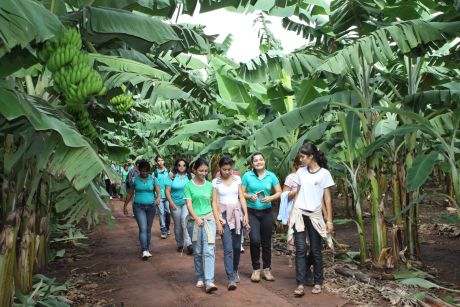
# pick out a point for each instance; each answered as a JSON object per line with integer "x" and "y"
{"x": 173, "y": 206}
{"x": 198, "y": 221}
{"x": 330, "y": 227}
{"x": 266, "y": 199}
{"x": 157, "y": 201}
{"x": 245, "y": 220}
{"x": 220, "y": 229}
{"x": 253, "y": 197}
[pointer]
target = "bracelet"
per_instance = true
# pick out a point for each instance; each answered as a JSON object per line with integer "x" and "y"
{"x": 330, "y": 223}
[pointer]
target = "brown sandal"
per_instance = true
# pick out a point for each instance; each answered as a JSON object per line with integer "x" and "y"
{"x": 316, "y": 289}
{"x": 299, "y": 292}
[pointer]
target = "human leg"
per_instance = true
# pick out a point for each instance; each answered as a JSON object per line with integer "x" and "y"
{"x": 141, "y": 219}
{"x": 228, "y": 252}
{"x": 150, "y": 215}
{"x": 316, "y": 255}
{"x": 178, "y": 229}
{"x": 184, "y": 214}
{"x": 197, "y": 251}
{"x": 254, "y": 239}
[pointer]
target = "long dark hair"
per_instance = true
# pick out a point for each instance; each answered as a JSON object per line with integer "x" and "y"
{"x": 318, "y": 155}
{"x": 187, "y": 167}
{"x": 143, "y": 164}
{"x": 226, "y": 160}
{"x": 252, "y": 160}
{"x": 199, "y": 162}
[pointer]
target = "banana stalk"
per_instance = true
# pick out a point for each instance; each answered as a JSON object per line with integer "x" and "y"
{"x": 42, "y": 226}
{"x": 377, "y": 217}
{"x": 8, "y": 239}
{"x": 26, "y": 257}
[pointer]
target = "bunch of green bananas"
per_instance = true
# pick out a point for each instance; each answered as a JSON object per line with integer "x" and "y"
{"x": 73, "y": 75}
{"x": 82, "y": 120}
{"x": 122, "y": 103}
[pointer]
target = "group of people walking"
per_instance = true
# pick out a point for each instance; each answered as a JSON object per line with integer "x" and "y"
{"x": 229, "y": 206}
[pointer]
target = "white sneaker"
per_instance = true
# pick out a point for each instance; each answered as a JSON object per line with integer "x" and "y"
{"x": 145, "y": 255}
{"x": 149, "y": 254}
{"x": 242, "y": 249}
{"x": 200, "y": 284}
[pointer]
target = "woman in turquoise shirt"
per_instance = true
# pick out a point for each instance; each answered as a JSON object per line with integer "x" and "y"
{"x": 144, "y": 205}
{"x": 175, "y": 195}
{"x": 257, "y": 187}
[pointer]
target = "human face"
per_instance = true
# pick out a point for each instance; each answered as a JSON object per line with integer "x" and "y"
{"x": 144, "y": 173}
{"x": 258, "y": 162}
{"x": 160, "y": 162}
{"x": 181, "y": 167}
{"x": 226, "y": 171}
{"x": 202, "y": 172}
{"x": 305, "y": 160}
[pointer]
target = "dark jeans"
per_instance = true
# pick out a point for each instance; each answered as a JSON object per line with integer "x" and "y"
{"x": 108, "y": 187}
{"x": 232, "y": 250}
{"x": 167, "y": 220}
{"x": 261, "y": 222}
{"x": 144, "y": 215}
{"x": 303, "y": 262}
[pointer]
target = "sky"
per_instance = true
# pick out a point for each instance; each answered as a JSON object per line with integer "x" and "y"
{"x": 245, "y": 41}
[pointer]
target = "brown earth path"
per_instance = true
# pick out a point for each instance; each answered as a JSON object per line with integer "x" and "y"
{"x": 167, "y": 279}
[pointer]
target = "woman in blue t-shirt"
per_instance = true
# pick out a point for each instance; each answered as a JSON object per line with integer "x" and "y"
{"x": 144, "y": 205}
{"x": 257, "y": 187}
{"x": 175, "y": 195}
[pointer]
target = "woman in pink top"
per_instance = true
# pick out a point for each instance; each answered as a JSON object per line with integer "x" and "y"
{"x": 289, "y": 184}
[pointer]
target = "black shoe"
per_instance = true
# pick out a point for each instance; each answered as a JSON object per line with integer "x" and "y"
{"x": 179, "y": 249}
{"x": 190, "y": 250}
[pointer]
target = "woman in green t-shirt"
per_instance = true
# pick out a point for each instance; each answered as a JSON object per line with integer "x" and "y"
{"x": 202, "y": 224}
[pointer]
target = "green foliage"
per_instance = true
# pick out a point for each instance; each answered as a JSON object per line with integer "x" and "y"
{"x": 46, "y": 292}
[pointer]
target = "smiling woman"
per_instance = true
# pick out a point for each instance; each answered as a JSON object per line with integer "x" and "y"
{"x": 260, "y": 214}
{"x": 144, "y": 205}
{"x": 202, "y": 224}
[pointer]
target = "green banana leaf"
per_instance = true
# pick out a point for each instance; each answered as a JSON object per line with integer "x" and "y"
{"x": 421, "y": 169}
{"x": 24, "y": 21}
{"x": 73, "y": 157}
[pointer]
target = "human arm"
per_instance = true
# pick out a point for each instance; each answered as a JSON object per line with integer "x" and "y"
{"x": 158, "y": 191}
{"x": 128, "y": 199}
{"x": 328, "y": 201}
{"x": 215, "y": 211}
{"x": 292, "y": 193}
{"x": 273, "y": 197}
{"x": 246, "y": 195}
{"x": 172, "y": 205}
{"x": 198, "y": 220}
{"x": 243, "y": 204}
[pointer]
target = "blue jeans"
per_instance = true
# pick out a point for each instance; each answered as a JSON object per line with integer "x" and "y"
{"x": 304, "y": 261}
{"x": 232, "y": 250}
{"x": 180, "y": 228}
{"x": 163, "y": 213}
{"x": 144, "y": 215}
{"x": 203, "y": 253}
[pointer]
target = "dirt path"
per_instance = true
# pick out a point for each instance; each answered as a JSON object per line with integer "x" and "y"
{"x": 167, "y": 279}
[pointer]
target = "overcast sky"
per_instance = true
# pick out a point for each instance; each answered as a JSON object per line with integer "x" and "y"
{"x": 245, "y": 42}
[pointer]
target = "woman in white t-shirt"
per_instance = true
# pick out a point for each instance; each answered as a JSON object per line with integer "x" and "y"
{"x": 314, "y": 182}
{"x": 229, "y": 198}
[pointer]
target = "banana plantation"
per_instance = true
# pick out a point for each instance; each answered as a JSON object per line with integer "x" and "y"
{"x": 376, "y": 87}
